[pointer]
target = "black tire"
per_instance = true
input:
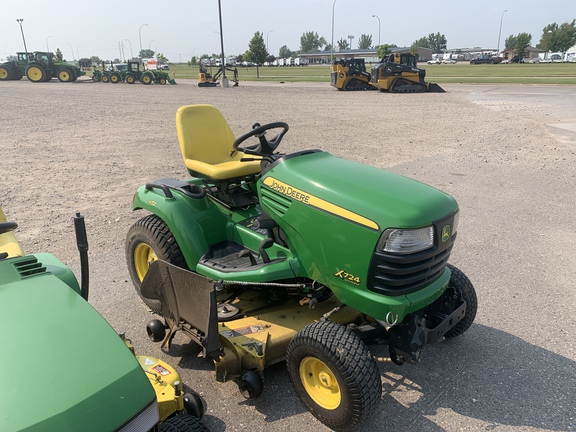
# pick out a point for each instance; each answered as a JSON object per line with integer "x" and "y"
{"x": 37, "y": 73}
{"x": 65, "y": 75}
{"x": 193, "y": 404}
{"x": 156, "y": 330}
{"x": 130, "y": 79}
{"x": 183, "y": 423}
{"x": 147, "y": 240}
{"x": 146, "y": 79}
{"x": 96, "y": 78}
{"x": 105, "y": 79}
{"x": 250, "y": 385}
{"x": 334, "y": 375}
{"x": 115, "y": 78}
{"x": 462, "y": 286}
{"x": 163, "y": 81}
{"x": 6, "y": 73}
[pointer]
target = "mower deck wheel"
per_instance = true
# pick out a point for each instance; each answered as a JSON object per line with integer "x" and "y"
{"x": 250, "y": 385}
{"x": 334, "y": 375}
{"x": 156, "y": 330}
{"x": 193, "y": 404}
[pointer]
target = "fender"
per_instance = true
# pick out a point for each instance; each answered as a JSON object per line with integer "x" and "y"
{"x": 195, "y": 222}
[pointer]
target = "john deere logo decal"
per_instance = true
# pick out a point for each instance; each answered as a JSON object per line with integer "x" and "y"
{"x": 445, "y": 233}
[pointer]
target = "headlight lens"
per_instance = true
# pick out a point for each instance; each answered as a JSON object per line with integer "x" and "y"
{"x": 407, "y": 241}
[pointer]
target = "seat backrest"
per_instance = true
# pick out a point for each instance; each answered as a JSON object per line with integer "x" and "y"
{"x": 8, "y": 241}
{"x": 203, "y": 134}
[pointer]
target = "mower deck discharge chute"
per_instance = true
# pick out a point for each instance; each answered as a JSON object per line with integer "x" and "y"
{"x": 261, "y": 257}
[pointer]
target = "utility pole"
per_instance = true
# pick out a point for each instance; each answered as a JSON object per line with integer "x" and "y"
{"x": 19, "y": 20}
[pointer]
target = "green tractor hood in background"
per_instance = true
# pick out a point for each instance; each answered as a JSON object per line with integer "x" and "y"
{"x": 53, "y": 339}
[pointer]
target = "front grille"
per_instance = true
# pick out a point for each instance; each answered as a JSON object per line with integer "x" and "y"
{"x": 396, "y": 274}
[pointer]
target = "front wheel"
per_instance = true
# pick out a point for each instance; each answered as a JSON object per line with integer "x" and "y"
{"x": 64, "y": 75}
{"x": 462, "y": 287}
{"x": 333, "y": 374}
{"x": 183, "y": 423}
{"x": 148, "y": 240}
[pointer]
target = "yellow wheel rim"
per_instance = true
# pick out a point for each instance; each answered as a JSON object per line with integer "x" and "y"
{"x": 144, "y": 255}
{"x": 35, "y": 74}
{"x": 64, "y": 76}
{"x": 320, "y": 383}
{"x": 146, "y": 79}
{"x": 114, "y": 79}
{"x": 3, "y": 73}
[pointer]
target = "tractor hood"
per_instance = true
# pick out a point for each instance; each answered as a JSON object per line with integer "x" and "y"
{"x": 361, "y": 194}
{"x": 65, "y": 368}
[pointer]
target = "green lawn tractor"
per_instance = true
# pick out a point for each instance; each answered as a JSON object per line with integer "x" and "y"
{"x": 262, "y": 257}
{"x": 58, "y": 346}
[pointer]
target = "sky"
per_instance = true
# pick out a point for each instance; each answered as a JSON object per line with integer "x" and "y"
{"x": 180, "y": 29}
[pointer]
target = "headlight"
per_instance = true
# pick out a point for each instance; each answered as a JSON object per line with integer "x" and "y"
{"x": 406, "y": 241}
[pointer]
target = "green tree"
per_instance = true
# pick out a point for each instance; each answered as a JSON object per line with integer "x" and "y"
{"x": 284, "y": 52}
{"x": 96, "y": 60}
{"x": 436, "y": 42}
{"x": 146, "y": 53}
{"x": 365, "y": 41}
{"x": 384, "y": 50}
{"x": 522, "y": 42}
{"x": 343, "y": 44}
{"x": 510, "y": 42}
{"x": 256, "y": 51}
{"x": 311, "y": 42}
{"x": 161, "y": 57}
{"x": 558, "y": 38}
{"x": 59, "y": 54}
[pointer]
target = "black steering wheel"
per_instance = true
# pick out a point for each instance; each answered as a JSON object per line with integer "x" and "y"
{"x": 265, "y": 147}
{"x": 7, "y": 227}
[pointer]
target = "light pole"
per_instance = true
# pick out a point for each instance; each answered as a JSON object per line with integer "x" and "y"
{"x": 150, "y": 44}
{"x": 131, "y": 52}
{"x": 224, "y": 78}
{"x": 500, "y": 32}
{"x": 332, "y": 42}
{"x": 78, "y": 52}
{"x": 267, "y": 41}
{"x": 71, "y": 49}
{"x": 140, "y": 36}
{"x": 19, "y": 20}
{"x": 376, "y": 16}
{"x": 48, "y": 49}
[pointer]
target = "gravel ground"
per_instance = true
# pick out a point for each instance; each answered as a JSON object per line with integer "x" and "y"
{"x": 87, "y": 146}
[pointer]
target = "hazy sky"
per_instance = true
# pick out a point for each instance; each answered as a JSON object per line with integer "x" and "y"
{"x": 180, "y": 29}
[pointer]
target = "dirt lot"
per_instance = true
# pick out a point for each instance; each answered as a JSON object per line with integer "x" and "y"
{"x": 87, "y": 146}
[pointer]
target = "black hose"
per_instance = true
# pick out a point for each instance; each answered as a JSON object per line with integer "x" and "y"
{"x": 82, "y": 243}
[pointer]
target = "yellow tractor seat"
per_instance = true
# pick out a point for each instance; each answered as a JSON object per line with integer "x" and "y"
{"x": 8, "y": 242}
{"x": 206, "y": 143}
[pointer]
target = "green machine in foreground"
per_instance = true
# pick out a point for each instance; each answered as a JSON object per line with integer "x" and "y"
{"x": 66, "y": 367}
{"x": 262, "y": 257}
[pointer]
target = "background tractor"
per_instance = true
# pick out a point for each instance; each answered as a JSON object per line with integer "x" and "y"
{"x": 45, "y": 66}
{"x": 15, "y": 70}
{"x": 262, "y": 257}
{"x": 396, "y": 73}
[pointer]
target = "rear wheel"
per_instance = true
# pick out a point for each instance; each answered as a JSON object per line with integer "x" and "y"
{"x": 148, "y": 240}
{"x": 6, "y": 73}
{"x": 36, "y": 73}
{"x": 462, "y": 287}
{"x": 333, "y": 374}
{"x": 130, "y": 79}
{"x": 64, "y": 75}
{"x": 105, "y": 78}
{"x": 96, "y": 78}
